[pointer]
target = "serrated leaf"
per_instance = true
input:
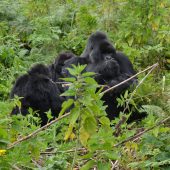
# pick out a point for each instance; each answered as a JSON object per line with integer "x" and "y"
{"x": 75, "y": 112}
{"x": 84, "y": 136}
{"x": 69, "y": 132}
{"x": 65, "y": 106}
{"x": 90, "y": 80}
{"x": 72, "y": 71}
{"x": 88, "y": 74}
{"x": 126, "y": 94}
{"x": 69, "y": 92}
{"x": 104, "y": 120}
{"x": 90, "y": 125}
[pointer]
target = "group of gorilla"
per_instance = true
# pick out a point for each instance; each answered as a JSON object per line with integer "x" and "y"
{"x": 39, "y": 91}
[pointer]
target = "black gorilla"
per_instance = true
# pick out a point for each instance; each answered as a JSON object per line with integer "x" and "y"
{"x": 56, "y": 68}
{"x": 111, "y": 67}
{"x": 38, "y": 92}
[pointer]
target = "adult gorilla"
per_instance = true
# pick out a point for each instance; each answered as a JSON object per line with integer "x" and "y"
{"x": 38, "y": 92}
{"x": 111, "y": 67}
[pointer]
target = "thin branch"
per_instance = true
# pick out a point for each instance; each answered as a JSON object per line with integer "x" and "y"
{"x": 37, "y": 131}
{"x": 114, "y": 165}
{"x": 15, "y": 167}
{"x": 117, "y": 85}
{"x": 133, "y": 93}
{"x": 141, "y": 133}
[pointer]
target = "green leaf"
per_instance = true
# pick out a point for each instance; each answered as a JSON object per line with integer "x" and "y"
{"x": 75, "y": 112}
{"x": 88, "y": 165}
{"x": 68, "y": 132}
{"x": 84, "y": 136}
{"x": 69, "y": 79}
{"x": 88, "y": 74}
{"x": 65, "y": 106}
{"x": 103, "y": 165}
{"x": 90, "y": 125}
{"x": 69, "y": 92}
{"x": 90, "y": 80}
{"x": 72, "y": 71}
{"x": 104, "y": 120}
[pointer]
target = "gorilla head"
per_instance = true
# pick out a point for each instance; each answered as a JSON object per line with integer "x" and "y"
{"x": 40, "y": 70}
{"x": 97, "y": 47}
{"x": 100, "y": 54}
{"x": 56, "y": 67}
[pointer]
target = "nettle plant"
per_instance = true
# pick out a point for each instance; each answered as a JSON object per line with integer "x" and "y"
{"x": 88, "y": 122}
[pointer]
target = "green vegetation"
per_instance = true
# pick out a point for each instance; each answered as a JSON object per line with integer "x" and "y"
{"x": 36, "y": 31}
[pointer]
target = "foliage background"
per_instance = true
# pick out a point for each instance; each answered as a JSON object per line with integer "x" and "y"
{"x": 37, "y": 30}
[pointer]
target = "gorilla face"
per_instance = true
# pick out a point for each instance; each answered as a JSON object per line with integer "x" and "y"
{"x": 106, "y": 67}
{"x": 97, "y": 47}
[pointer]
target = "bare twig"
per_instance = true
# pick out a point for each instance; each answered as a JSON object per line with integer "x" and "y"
{"x": 141, "y": 133}
{"x": 65, "y": 84}
{"x": 114, "y": 164}
{"x": 36, "y": 164}
{"x": 15, "y": 167}
{"x": 132, "y": 94}
{"x": 67, "y": 151}
{"x": 117, "y": 85}
{"x": 37, "y": 131}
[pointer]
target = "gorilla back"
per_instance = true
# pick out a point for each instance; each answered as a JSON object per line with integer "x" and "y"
{"x": 38, "y": 92}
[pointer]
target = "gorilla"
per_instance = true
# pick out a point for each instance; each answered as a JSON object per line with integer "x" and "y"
{"x": 111, "y": 67}
{"x": 56, "y": 68}
{"x": 38, "y": 92}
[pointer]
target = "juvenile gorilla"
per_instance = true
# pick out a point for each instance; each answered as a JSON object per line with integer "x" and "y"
{"x": 38, "y": 92}
{"x": 56, "y": 68}
{"x": 111, "y": 67}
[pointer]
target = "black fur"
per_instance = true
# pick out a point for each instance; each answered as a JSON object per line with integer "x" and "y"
{"x": 38, "y": 92}
{"x": 111, "y": 67}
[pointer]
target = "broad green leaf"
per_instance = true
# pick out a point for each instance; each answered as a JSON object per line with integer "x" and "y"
{"x": 69, "y": 92}
{"x": 65, "y": 106}
{"x": 104, "y": 120}
{"x": 90, "y": 80}
{"x": 75, "y": 112}
{"x": 84, "y": 136}
{"x": 88, "y": 74}
{"x": 90, "y": 125}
